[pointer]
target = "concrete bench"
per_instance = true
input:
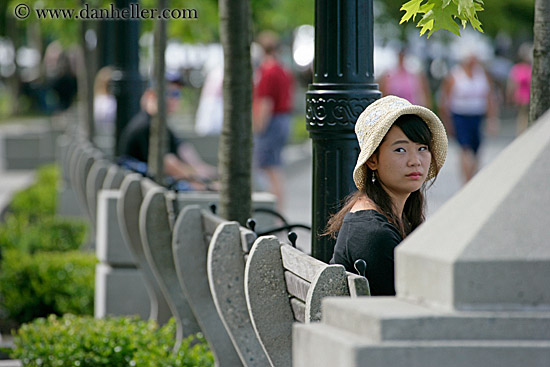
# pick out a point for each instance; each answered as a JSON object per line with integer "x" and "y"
{"x": 156, "y": 220}
{"x": 227, "y": 253}
{"x": 81, "y": 162}
{"x": 156, "y": 225}
{"x": 94, "y": 183}
{"x": 283, "y": 286}
{"x": 132, "y": 191}
{"x": 114, "y": 177}
{"x": 68, "y": 202}
{"x": 193, "y": 232}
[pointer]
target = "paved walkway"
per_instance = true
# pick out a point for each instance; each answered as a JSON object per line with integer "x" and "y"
{"x": 11, "y": 181}
{"x": 11, "y": 363}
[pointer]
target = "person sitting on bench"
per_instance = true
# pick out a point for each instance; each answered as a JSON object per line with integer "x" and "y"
{"x": 403, "y": 146}
{"x": 182, "y": 161}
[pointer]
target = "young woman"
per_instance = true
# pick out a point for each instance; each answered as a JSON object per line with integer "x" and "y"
{"x": 402, "y": 147}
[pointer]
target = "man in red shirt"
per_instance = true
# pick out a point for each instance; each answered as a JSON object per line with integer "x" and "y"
{"x": 273, "y": 93}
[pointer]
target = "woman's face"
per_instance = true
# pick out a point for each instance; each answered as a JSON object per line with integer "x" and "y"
{"x": 401, "y": 165}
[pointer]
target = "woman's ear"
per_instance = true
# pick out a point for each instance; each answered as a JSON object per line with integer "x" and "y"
{"x": 372, "y": 162}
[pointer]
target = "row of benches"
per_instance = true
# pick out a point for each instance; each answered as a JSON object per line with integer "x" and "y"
{"x": 242, "y": 291}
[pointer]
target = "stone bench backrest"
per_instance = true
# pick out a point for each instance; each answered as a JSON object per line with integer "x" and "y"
{"x": 156, "y": 220}
{"x": 114, "y": 177}
{"x": 193, "y": 232}
{"x": 128, "y": 213}
{"x": 94, "y": 183}
{"x": 283, "y": 286}
{"x": 226, "y": 262}
{"x": 76, "y": 168}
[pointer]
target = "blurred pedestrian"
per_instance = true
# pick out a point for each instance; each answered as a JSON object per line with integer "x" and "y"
{"x": 271, "y": 113}
{"x": 466, "y": 100}
{"x": 209, "y": 117}
{"x": 406, "y": 83}
{"x": 403, "y": 147}
{"x": 182, "y": 162}
{"x": 104, "y": 102}
{"x": 519, "y": 86}
{"x": 64, "y": 84}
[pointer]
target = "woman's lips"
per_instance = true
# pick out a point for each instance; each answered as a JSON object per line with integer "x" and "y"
{"x": 414, "y": 175}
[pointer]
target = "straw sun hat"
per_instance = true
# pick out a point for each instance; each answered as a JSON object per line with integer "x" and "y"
{"x": 375, "y": 121}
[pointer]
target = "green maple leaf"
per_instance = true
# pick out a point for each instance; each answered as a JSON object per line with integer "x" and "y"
{"x": 440, "y": 17}
{"x": 411, "y": 8}
{"x": 467, "y": 12}
{"x": 465, "y": 6}
{"x": 442, "y": 14}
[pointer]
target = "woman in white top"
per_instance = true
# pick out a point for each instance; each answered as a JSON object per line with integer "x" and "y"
{"x": 467, "y": 98}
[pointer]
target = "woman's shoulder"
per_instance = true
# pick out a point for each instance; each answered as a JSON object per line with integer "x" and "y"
{"x": 369, "y": 231}
{"x": 370, "y": 221}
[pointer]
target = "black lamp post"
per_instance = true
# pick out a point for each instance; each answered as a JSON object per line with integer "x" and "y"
{"x": 127, "y": 83}
{"x": 343, "y": 86}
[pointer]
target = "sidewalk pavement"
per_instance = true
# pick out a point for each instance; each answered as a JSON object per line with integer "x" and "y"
{"x": 11, "y": 363}
{"x": 11, "y": 181}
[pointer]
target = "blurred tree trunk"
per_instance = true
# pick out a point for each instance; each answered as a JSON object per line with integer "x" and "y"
{"x": 158, "y": 139}
{"x": 235, "y": 151}
{"x": 540, "y": 85}
{"x": 14, "y": 80}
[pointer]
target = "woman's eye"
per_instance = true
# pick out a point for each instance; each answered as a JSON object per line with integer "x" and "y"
{"x": 423, "y": 149}
{"x": 399, "y": 150}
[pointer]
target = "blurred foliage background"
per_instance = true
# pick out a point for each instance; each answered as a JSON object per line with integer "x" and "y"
{"x": 506, "y": 25}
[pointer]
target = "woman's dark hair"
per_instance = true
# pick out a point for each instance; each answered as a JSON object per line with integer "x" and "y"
{"x": 413, "y": 213}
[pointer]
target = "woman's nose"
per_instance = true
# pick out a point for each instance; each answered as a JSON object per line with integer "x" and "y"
{"x": 414, "y": 159}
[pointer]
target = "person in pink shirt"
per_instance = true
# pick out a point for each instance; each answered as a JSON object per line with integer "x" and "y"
{"x": 405, "y": 83}
{"x": 519, "y": 86}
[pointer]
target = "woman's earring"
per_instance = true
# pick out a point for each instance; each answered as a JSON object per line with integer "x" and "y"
{"x": 373, "y": 177}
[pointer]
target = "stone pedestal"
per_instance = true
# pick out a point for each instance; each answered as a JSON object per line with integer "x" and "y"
{"x": 120, "y": 292}
{"x": 120, "y": 288}
{"x": 472, "y": 282}
{"x": 29, "y": 147}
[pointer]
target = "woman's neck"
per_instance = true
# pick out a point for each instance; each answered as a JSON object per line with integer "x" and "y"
{"x": 398, "y": 205}
{"x": 398, "y": 201}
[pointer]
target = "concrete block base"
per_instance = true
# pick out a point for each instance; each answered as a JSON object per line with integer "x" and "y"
{"x": 322, "y": 345}
{"x": 120, "y": 292}
{"x": 30, "y": 148}
{"x": 111, "y": 247}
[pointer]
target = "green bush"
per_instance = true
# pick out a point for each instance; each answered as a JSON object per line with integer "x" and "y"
{"x": 46, "y": 282}
{"x": 30, "y": 224}
{"x": 38, "y": 200}
{"x": 34, "y": 283}
{"x": 122, "y": 341}
{"x": 45, "y": 234}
